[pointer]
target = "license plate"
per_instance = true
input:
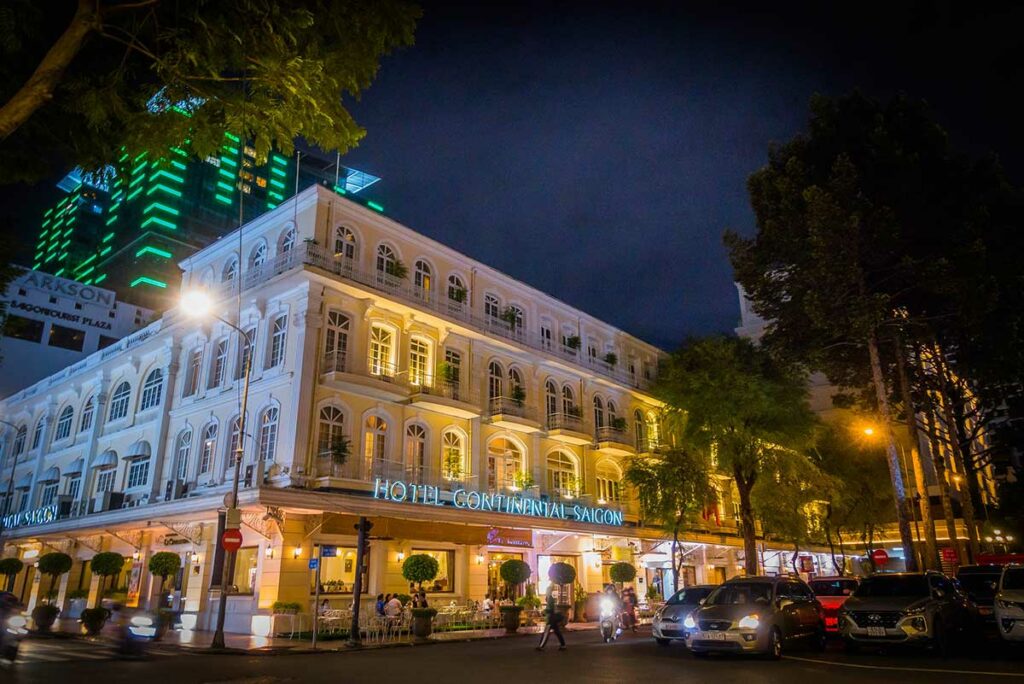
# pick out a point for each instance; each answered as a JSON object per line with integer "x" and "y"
{"x": 714, "y": 636}
{"x": 876, "y": 631}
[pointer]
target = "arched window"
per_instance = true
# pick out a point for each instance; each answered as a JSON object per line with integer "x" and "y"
{"x": 516, "y": 387}
{"x": 344, "y": 243}
{"x": 495, "y": 380}
{"x": 386, "y": 260}
{"x": 331, "y": 434}
{"x": 37, "y": 434}
{"x": 88, "y": 412}
{"x": 233, "y": 441}
{"x": 268, "y": 435}
{"x": 209, "y": 448}
{"x": 184, "y": 451}
{"x": 278, "y": 337}
{"x": 230, "y": 271}
{"x": 653, "y": 429}
{"x": 63, "y": 430}
{"x": 376, "y": 441}
{"x": 19, "y": 440}
{"x": 151, "y": 390}
{"x": 562, "y": 477}
{"x": 639, "y": 430}
{"x": 609, "y": 483}
{"x": 382, "y": 351}
{"x": 456, "y": 289}
{"x": 336, "y": 341}
{"x": 287, "y": 241}
{"x": 514, "y": 316}
{"x": 453, "y": 455}
{"x": 423, "y": 278}
{"x": 258, "y": 255}
{"x": 119, "y": 402}
{"x": 505, "y": 465}
{"x": 492, "y": 307}
{"x": 218, "y": 364}
{"x": 416, "y": 464}
{"x": 551, "y": 398}
{"x": 612, "y": 414}
{"x": 598, "y": 412}
{"x": 568, "y": 401}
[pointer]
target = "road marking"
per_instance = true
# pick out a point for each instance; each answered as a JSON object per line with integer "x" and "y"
{"x": 934, "y": 670}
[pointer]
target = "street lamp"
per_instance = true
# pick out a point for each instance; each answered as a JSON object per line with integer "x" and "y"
{"x": 199, "y": 304}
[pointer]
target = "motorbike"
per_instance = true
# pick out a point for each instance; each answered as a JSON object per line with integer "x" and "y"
{"x": 136, "y": 634}
{"x": 13, "y": 630}
{"x": 610, "y": 620}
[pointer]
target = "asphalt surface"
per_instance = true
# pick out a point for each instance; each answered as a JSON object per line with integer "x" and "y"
{"x": 632, "y": 658}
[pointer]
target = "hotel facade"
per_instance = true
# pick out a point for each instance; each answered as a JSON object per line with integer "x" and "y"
{"x": 466, "y": 414}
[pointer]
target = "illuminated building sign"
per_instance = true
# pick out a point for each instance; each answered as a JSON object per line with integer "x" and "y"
{"x": 39, "y": 516}
{"x": 407, "y": 492}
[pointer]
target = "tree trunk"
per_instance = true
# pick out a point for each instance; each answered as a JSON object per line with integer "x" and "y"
{"x": 893, "y": 459}
{"x": 931, "y": 554}
{"x": 939, "y": 463}
{"x": 38, "y": 90}
{"x": 749, "y": 532}
{"x": 792, "y": 559}
{"x": 677, "y": 562}
{"x": 966, "y": 505}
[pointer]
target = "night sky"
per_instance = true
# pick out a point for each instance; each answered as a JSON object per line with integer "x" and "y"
{"x": 598, "y": 152}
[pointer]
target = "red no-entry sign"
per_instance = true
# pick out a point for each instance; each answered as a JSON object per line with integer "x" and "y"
{"x": 879, "y": 557}
{"x": 231, "y": 540}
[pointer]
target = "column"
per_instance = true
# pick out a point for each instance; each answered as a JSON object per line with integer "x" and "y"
{"x": 306, "y": 326}
{"x": 160, "y": 448}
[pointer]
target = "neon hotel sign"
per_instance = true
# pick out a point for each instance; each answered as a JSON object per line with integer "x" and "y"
{"x": 408, "y": 492}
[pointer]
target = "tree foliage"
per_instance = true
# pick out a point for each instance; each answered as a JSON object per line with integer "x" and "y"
{"x": 55, "y": 564}
{"x": 622, "y": 572}
{"x": 164, "y": 564}
{"x": 80, "y": 81}
{"x": 106, "y": 564}
{"x": 420, "y": 568}
{"x": 514, "y": 571}
{"x": 562, "y": 573}
{"x": 9, "y": 567}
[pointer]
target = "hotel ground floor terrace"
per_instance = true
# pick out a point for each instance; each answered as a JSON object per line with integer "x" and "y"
{"x": 469, "y": 533}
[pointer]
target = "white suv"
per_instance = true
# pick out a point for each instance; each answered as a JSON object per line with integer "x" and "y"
{"x": 1009, "y": 605}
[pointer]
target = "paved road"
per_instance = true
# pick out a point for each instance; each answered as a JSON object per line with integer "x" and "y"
{"x": 514, "y": 660}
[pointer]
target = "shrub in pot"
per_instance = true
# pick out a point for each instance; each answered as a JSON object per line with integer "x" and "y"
{"x": 562, "y": 574}
{"x": 420, "y": 568}
{"x": 106, "y": 564}
{"x": 423, "y": 622}
{"x": 514, "y": 572}
{"x": 10, "y": 567}
{"x": 54, "y": 565}
{"x": 510, "y": 618}
{"x": 622, "y": 572}
{"x": 93, "y": 619}
{"x": 44, "y": 616}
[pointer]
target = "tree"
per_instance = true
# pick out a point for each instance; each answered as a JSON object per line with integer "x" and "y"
{"x": 54, "y": 565}
{"x": 106, "y": 564}
{"x": 672, "y": 486}
{"x": 150, "y": 74}
{"x": 747, "y": 406}
{"x": 514, "y": 572}
{"x": 9, "y": 568}
{"x": 164, "y": 564}
{"x": 622, "y": 572}
{"x": 420, "y": 568}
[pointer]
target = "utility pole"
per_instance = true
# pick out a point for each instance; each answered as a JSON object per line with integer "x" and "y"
{"x": 363, "y": 528}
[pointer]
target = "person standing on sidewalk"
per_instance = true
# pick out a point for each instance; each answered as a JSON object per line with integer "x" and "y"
{"x": 552, "y": 621}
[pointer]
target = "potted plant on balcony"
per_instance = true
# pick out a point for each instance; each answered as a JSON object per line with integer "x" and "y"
{"x": 611, "y": 358}
{"x": 9, "y": 568}
{"x": 518, "y": 395}
{"x": 562, "y": 574}
{"x": 522, "y": 480}
{"x": 452, "y": 466}
{"x": 511, "y": 316}
{"x": 514, "y": 573}
{"x": 420, "y": 568}
{"x": 396, "y": 269}
{"x": 618, "y": 423}
{"x": 573, "y": 342}
{"x": 622, "y": 572}
{"x": 574, "y": 411}
{"x": 457, "y": 294}
{"x": 339, "y": 451}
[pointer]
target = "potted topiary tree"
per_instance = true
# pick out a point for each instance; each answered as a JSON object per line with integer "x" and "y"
{"x": 106, "y": 564}
{"x": 420, "y": 568}
{"x": 518, "y": 395}
{"x": 340, "y": 450}
{"x": 164, "y": 564}
{"x": 53, "y": 565}
{"x": 9, "y": 568}
{"x": 562, "y": 574}
{"x": 514, "y": 572}
{"x": 622, "y": 572}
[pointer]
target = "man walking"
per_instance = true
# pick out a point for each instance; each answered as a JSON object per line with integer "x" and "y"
{"x": 552, "y": 621}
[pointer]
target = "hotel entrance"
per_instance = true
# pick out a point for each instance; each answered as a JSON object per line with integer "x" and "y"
{"x": 495, "y": 585}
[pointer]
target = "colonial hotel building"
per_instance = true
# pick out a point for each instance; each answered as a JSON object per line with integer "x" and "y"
{"x": 393, "y": 378}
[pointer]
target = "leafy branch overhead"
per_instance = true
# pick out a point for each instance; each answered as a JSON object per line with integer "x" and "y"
{"x": 153, "y": 73}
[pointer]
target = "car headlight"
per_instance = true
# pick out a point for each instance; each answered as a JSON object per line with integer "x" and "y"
{"x": 142, "y": 621}
{"x": 689, "y": 622}
{"x": 750, "y": 622}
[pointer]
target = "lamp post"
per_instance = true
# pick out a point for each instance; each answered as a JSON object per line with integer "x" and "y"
{"x": 198, "y": 304}
{"x": 10, "y": 488}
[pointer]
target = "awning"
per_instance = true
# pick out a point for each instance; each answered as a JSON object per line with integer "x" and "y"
{"x": 138, "y": 451}
{"x": 24, "y": 482}
{"x": 50, "y": 476}
{"x": 106, "y": 461}
{"x": 75, "y": 469}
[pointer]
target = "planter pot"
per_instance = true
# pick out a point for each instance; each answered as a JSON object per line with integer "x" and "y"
{"x": 44, "y": 617}
{"x": 510, "y": 619}
{"x": 93, "y": 620}
{"x": 422, "y": 627}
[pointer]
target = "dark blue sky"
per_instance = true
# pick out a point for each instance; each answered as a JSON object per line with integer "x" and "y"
{"x": 598, "y": 154}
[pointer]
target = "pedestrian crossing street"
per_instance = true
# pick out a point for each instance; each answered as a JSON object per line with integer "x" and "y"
{"x": 69, "y": 650}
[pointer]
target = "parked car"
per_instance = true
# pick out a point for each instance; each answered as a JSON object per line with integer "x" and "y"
{"x": 668, "y": 622}
{"x": 756, "y": 615}
{"x": 980, "y": 583}
{"x": 832, "y": 592}
{"x": 923, "y": 608}
{"x": 1009, "y": 603}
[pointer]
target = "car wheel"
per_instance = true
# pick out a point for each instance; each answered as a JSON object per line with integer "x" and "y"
{"x": 663, "y": 642}
{"x": 851, "y": 646}
{"x": 775, "y": 644}
{"x": 819, "y": 641}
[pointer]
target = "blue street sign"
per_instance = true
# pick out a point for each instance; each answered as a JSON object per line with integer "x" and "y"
{"x": 328, "y": 551}
{"x": 313, "y": 563}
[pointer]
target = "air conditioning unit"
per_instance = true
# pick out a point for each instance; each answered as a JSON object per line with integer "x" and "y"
{"x": 107, "y": 501}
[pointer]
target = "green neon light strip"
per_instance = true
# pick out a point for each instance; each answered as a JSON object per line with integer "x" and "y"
{"x": 161, "y": 207}
{"x": 340, "y": 190}
{"x": 224, "y": 186}
{"x": 64, "y": 244}
{"x": 137, "y": 180}
{"x": 161, "y": 186}
{"x": 226, "y": 173}
{"x": 143, "y": 280}
{"x": 229, "y": 148}
{"x": 72, "y": 220}
{"x": 148, "y": 249}
{"x": 179, "y": 151}
{"x": 114, "y": 207}
{"x": 166, "y": 174}
{"x": 86, "y": 262}
{"x": 140, "y": 167}
{"x": 181, "y": 111}
{"x": 374, "y": 205}
{"x": 276, "y": 183}
{"x": 221, "y": 198}
{"x": 105, "y": 251}
{"x": 135, "y": 193}
{"x": 159, "y": 221}
{"x": 84, "y": 273}
{"x": 271, "y": 205}
{"x": 63, "y": 255}
{"x": 36, "y": 265}
{"x": 278, "y": 172}
{"x": 59, "y": 273}
{"x": 139, "y": 157}
{"x": 46, "y": 222}
{"x": 232, "y": 138}
{"x": 229, "y": 162}
{"x": 178, "y": 165}
{"x": 100, "y": 279}
{"x": 122, "y": 157}
{"x": 108, "y": 237}
{"x": 49, "y": 258}
{"x": 278, "y": 160}
{"x": 275, "y": 195}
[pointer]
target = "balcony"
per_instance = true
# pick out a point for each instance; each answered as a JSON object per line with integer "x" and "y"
{"x": 334, "y": 362}
{"x": 515, "y": 415}
{"x": 309, "y": 254}
{"x": 445, "y": 396}
{"x": 614, "y": 440}
{"x": 567, "y": 428}
{"x": 377, "y": 379}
